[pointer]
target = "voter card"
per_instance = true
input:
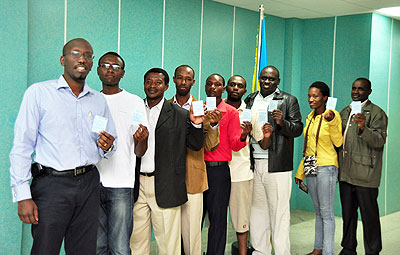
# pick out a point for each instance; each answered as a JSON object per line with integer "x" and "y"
{"x": 246, "y": 115}
{"x": 198, "y": 109}
{"x": 211, "y": 103}
{"x": 138, "y": 116}
{"x": 99, "y": 124}
{"x": 355, "y": 107}
{"x": 273, "y": 105}
{"x": 262, "y": 118}
{"x": 331, "y": 103}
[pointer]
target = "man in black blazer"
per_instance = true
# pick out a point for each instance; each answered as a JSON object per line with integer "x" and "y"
{"x": 162, "y": 188}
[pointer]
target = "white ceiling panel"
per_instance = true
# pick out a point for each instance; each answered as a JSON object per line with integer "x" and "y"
{"x": 305, "y": 9}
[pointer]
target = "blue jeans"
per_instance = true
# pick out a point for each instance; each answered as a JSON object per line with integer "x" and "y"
{"x": 322, "y": 190}
{"x": 115, "y": 221}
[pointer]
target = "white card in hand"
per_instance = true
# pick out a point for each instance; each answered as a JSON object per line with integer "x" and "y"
{"x": 262, "y": 118}
{"x": 331, "y": 103}
{"x": 99, "y": 124}
{"x": 137, "y": 117}
{"x": 355, "y": 107}
{"x": 198, "y": 109}
{"x": 211, "y": 103}
{"x": 246, "y": 115}
{"x": 273, "y": 105}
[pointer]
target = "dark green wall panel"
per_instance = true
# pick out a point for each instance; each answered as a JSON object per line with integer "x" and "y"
{"x": 217, "y": 41}
{"x": 141, "y": 40}
{"x": 46, "y": 39}
{"x": 182, "y": 39}
{"x": 97, "y": 22}
{"x": 353, "y": 40}
{"x": 246, "y": 30}
{"x": 14, "y": 79}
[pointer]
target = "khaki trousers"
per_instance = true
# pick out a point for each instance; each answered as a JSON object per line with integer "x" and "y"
{"x": 166, "y": 223}
{"x": 270, "y": 211}
{"x": 191, "y": 215}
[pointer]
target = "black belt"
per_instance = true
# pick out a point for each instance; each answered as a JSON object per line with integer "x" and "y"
{"x": 216, "y": 163}
{"x": 69, "y": 172}
{"x": 147, "y": 174}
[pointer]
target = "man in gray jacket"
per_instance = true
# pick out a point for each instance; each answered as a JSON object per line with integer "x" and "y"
{"x": 360, "y": 164}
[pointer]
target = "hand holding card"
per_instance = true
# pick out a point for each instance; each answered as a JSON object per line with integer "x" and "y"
{"x": 355, "y": 107}
{"x": 99, "y": 124}
{"x": 246, "y": 115}
{"x": 273, "y": 105}
{"x": 198, "y": 109}
{"x": 331, "y": 103}
{"x": 211, "y": 103}
{"x": 262, "y": 118}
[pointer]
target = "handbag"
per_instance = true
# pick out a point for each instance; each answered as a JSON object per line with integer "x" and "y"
{"x": 310, "y": 162}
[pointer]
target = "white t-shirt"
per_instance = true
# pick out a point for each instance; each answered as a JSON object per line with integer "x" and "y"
{"x": 260, "y": 105}
{"x": 119, "y": 170}
{"x": 240, "y": 164}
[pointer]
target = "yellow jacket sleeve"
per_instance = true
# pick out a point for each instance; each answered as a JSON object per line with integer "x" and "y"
{"x": 300, "y": 171}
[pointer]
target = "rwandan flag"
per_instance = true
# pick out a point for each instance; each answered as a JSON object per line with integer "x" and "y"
{"x": 261, "y": 51}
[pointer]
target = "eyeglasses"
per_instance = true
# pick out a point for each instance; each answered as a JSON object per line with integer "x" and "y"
{"x": 78, "y": 54}
{"x": 114, "y": 67}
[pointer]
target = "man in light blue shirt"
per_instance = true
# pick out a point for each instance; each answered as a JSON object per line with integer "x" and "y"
{"x": 54, "y": 129}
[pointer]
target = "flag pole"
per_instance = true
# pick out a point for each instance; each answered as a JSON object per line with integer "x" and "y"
{"x": 261, "y": 9}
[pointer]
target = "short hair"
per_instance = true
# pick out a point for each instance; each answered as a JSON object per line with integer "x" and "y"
{"x": 237, "y": 75}
{"x": 176, "y": 69}
{"x": 158, "y": 70}
{"x": 67, "y": 46}
{"x": 114, "y": 54}
{"x": 273, "y": 67}
{"x": 364, "y": 81}
{"x": 322, "y": 87}
{"x": 223, "y": 80}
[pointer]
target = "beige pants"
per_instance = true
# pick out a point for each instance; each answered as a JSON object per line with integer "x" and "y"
{"x": 166, "y": 223}
{"x": 270, "y": 211}
{"x": 191, "y": 215}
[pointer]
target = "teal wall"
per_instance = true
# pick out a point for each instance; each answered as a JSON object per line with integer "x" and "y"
{"x": 384, "y": 75}
{"x": 14, "y": 48}
{"x": 393, "y": 151}
{"x": 301, "y": 49}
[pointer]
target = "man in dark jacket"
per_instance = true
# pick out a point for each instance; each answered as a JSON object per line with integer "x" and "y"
{"x": 360, "y": 164}
{"x": 272, "y": 167}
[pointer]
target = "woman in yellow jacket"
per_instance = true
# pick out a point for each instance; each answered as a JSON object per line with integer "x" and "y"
{"x": 323, "y": 131}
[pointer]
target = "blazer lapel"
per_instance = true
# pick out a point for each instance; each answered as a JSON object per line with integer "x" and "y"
{"x": 165, "y": 113}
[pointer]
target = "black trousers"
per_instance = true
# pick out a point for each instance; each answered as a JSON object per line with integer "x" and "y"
{"x": 216, "y": 201}
{"x": 68, "y": 208}
{"x": 353, "y": 197}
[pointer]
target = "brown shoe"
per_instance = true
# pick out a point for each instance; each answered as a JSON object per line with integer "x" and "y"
{"x": 315, "y": 252}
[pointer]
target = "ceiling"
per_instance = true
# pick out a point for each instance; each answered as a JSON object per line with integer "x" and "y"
{"x": 306, "y": 9}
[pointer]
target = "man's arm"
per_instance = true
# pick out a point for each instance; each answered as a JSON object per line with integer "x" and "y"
{"x": 25, "y": 135}
{"x": 107, "y": 138}
{"x": 375, "y": 133}
{"x": 140, "y": 140}
{"x": 290, "y": 124}
{"x": 194, "y": 136}
{"x": 235, "y": 132}
{"x": 267, "y": 130}
{"x": 211, "y": 142}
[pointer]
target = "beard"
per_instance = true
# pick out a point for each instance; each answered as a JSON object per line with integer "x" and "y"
{"x": 234, "y": 99}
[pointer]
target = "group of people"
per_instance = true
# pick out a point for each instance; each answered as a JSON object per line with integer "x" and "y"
{"x": 157, "y": 167}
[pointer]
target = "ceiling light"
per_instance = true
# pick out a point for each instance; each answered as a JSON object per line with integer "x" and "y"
{"x": 390, "y": 11}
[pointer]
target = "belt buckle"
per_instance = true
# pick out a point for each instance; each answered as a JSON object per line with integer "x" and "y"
{"x": 78, "y": 171}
